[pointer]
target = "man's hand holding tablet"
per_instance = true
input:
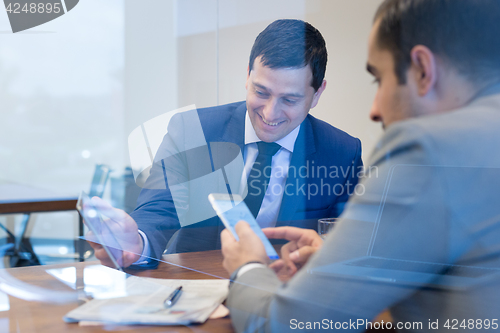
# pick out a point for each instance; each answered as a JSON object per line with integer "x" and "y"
{"x": 118, "y": 232}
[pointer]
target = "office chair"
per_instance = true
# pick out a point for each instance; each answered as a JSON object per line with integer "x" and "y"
{"x": 101, "y": 175}
{"x": 21, "y": 252}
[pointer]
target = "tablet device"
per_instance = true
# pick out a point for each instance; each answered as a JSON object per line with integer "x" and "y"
{"x": 102, "y": 233}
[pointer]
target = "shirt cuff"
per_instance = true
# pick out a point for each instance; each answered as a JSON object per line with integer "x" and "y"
{"x": 247, "y": 268}
{"x": 146, "y": 252}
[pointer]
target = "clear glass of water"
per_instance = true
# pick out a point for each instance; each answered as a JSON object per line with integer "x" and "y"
{"x": 325, "y": 226}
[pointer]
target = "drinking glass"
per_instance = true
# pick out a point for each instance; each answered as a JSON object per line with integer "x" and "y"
{"x": 325, "y": 226}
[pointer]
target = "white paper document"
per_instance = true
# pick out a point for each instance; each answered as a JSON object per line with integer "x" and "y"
{"x": 144, "y": 303}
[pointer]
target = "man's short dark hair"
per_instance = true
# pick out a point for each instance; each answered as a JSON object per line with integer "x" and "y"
{"x": 465, "y": 33}
{"x": 291, "y": 44}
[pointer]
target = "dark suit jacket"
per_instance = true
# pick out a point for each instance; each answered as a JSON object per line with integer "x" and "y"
{"x": 322, "y": 174}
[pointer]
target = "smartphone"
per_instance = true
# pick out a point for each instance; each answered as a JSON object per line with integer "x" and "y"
{"x": 231, "y": 209}
{"x": 104, "y": 236}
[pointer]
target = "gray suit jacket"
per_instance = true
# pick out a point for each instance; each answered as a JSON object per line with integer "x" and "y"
{"x": 431, "y": 196}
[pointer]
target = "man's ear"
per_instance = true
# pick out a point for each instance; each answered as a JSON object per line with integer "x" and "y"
{"x": 248, "y": 77}
{"x": 318, "y": 93}
{"x": 423, "y": 69}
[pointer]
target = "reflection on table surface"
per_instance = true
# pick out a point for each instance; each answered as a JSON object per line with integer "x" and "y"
{"x": 90, "y": 278}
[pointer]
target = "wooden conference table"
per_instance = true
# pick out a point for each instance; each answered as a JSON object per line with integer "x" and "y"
{"x": 25, "y": 316}
{"x": 21, "y": 199}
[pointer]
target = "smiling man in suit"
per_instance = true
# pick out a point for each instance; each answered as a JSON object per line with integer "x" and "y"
{"x": 295, "y": 168}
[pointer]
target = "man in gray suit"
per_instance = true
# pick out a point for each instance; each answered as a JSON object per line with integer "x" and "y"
{"x": 433, "y": 203}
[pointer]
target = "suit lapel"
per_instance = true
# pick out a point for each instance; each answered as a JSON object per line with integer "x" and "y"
{"x": 235, "y": 129}
{"x": 234, "y": 133}
{"x": 304, "y": 147}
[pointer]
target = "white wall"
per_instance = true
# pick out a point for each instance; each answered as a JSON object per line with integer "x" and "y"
{"x": 151, "y": 65}
{"x": 346, "y": 102}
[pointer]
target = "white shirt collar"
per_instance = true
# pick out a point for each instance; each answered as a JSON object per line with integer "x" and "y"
{"x": 288, "y": 142}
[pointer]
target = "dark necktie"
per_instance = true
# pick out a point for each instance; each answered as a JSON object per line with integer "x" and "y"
{"x": 258, "y": 180}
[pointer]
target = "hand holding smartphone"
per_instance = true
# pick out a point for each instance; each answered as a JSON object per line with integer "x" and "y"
{"x": 231, "y": 209}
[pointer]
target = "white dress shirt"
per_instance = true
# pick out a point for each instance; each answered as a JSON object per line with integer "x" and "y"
{"x": 268, "y": 213}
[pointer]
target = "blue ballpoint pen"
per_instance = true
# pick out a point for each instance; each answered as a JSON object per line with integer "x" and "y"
{"x": 173, "y": 297}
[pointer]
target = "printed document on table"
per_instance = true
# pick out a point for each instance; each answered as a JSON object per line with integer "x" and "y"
{"x": 143, "y": 303}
